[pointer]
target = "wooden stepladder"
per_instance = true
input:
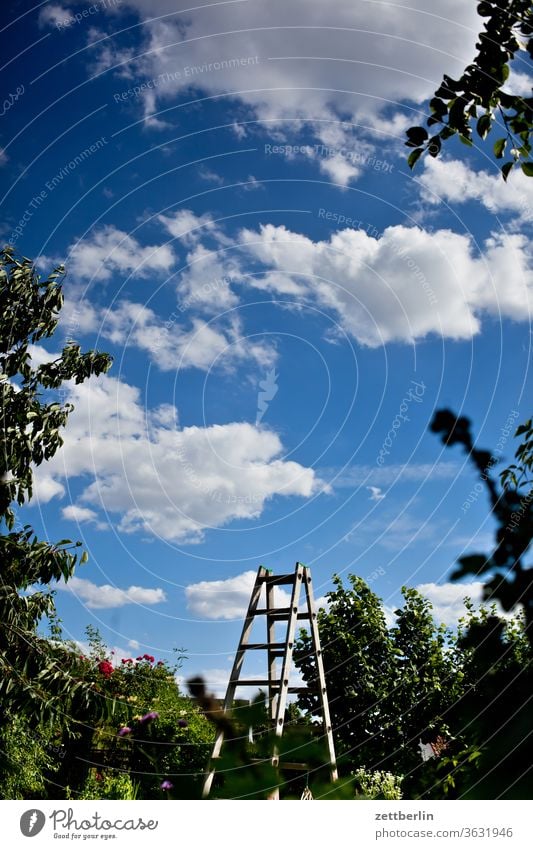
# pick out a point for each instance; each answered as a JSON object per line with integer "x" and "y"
{"x": 277, "y": 687}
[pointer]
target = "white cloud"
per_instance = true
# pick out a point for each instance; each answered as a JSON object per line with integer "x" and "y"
{"x": 188, "y": 227}
{"x": 75, "y": 513}
{"x": 173, "y": 347}
{"x": 519, "y": 84}
{"x": 226, "y": 599}
{"x": 55, "y": 15}
{"x": 375, "y": 493}
{"x": 394, "y": 48}
{"x": 171, "y": 482}
{"x": 448, "y": 600}
{"x": 106, "y": 596}
{"x": 45, "y": 487}
{"x": 452, "y": 181}
{"x": 109, "y": 251}
{"x": 305, "y": 60}
{"x": 400, "y": 286}
{"x": 229, "y": 598}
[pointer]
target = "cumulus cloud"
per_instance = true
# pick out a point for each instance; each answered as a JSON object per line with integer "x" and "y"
{"x": 53, "y": 14}
{"x": 109, "y": 250}
{"x": 171, "y": 346}
{"x": 106, "y": 596}
{"x": 226, "y": 599}
{"x": 305, "y": 61}
{"x": 453, "y": 181}
{"x": 401, "y": 285}
{"x": 448, "y": 600}
{"x": 158, "y": 478}
{"x": 229, "y": 598}
{"x": 83, "y": 515}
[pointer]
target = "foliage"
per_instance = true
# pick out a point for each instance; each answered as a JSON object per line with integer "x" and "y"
{"x": 111, "y": 785}
{"x": 392, "y": 689}
{"x": 512, "y": 507}
{"x": 152, "y": 732}
{"x": 246, "y": 770}
{"x": 491, "y": 756}
{"x": 27, "y": 757}
{"x": 387, "y": 688}
{"x": 37, "y": 677}
{"x": 377, "y": 785}
{"x": 477, "y": 97}
{"x": 358, "y": 658}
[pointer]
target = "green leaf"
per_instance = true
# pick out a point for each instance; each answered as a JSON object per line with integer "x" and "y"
{"x": 84, "y": 557}
{"x": 414, "y": 157}
{"x": 499, "y": 147}
{"x": 483, "y": 126}
{"x": 527, "y": 168}
{"x": 505, "y": 169}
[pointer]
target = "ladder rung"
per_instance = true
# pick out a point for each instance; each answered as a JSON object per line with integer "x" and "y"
{"x": 296, "y": 766}
{"x": 300, "y": 690}
{"x": 288, "y": 765}
{"x": 279, "y": 613}
{"x": 271, "y": 646}
{"x": 278, "y": 579}
{"x": 255, "y": 682}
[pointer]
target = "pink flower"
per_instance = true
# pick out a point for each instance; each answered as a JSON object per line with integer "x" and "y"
{"x": 166, "y": 785}
{"x": 149, "y": 716}
{"x": 105, "y": 668}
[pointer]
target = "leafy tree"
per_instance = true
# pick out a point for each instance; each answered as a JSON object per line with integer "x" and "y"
{"x": 477, "y": 97}
{"x": 28, "y": 756}
{"x": 491, "y": 753}
{"x": 38, "y": 677}
{"x": 512, "y": 507}
{"x": 358, "y": 655}
{"x": 427, "y": 682}
{"x": 468, "y": 691}
{"x": 387, "y": 688}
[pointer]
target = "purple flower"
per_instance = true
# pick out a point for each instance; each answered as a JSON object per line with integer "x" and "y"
{"x": 125, "y": 730}
{"x": 182, "y": 723}
{"x": 166, "y": 785}
{"x": 149, "y": 716}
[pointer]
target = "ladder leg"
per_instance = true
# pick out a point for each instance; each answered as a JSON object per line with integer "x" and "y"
{"x": 281, "y": 704}
{"x": 234, "y": 676}
{"x": 323, "y": 696}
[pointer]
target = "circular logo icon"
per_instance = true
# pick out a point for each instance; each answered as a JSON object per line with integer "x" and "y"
{"x": 32, "y": 822}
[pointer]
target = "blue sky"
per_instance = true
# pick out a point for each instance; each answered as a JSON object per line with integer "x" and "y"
{"x": 286, "y": 303}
